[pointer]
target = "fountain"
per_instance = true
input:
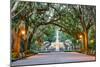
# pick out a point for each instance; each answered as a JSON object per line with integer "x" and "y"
{"x": 57, "y": 44}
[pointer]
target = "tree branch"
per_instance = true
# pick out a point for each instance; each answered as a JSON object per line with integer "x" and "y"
{"x": 81, "y": 19}
{"x": 15, "y": 6}
{"x": 20, "y": 10}
{"x": 89, "y": 23}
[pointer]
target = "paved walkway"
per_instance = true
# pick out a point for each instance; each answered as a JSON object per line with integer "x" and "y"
{"x": 54, "y": 57}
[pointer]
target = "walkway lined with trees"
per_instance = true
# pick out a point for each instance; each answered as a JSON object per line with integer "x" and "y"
{"x": 33, "y": 23}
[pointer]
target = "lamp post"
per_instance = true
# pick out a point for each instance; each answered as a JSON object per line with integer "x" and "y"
{"x": 24, "y": 37}
{"x": 81, "y": 39}
{"x": 23, "y": 42}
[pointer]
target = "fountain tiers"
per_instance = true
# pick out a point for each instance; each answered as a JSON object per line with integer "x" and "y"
{"x": 57, "y": 45}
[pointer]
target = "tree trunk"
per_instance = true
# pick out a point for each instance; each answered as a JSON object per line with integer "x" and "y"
{"x": 86, "y": 42}
{"x": 85, "y": 34}
{"x": 17, "y": 44}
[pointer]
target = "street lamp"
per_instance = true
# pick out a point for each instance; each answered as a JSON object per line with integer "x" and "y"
{"x": 80, "y": 36}
{"x": 81, "y": 39}
{"x": 92, "y": 41}
{"x": 23, "y": 32}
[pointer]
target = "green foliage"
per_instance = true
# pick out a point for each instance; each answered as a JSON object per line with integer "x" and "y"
{"x": 14, "y": 56}
{"x": 92, "y": 38}
{"x": 43, "y": 18}
{"x": 34, "y": 48}
{"x": 45, "y": 12}
{"x": 64, "y": 36}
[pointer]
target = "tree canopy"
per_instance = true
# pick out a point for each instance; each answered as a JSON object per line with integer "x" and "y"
{"x": 40, "y": 19}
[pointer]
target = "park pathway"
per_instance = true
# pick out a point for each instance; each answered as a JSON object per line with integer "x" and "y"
{"x": 53, "y": 57}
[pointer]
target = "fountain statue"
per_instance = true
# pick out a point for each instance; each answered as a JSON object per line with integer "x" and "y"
{"x": 57, "y": 45}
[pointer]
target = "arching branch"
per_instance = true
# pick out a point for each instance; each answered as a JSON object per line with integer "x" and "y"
{"x": 15, "y": 6}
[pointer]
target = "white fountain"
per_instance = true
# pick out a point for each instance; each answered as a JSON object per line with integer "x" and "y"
{"x": 57, "y": 44}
